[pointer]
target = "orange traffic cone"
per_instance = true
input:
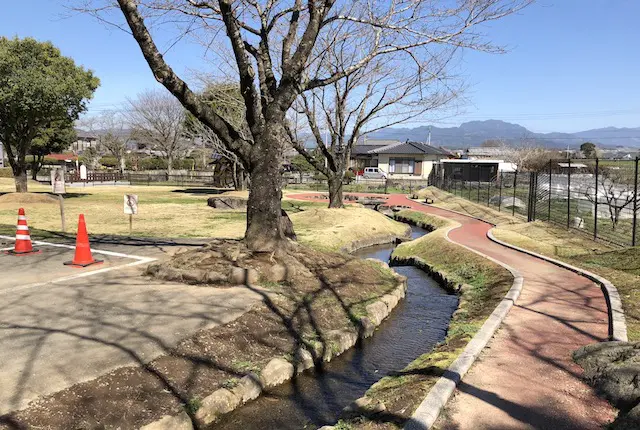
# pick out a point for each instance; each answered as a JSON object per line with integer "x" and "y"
{"x": 23, "y": 244}
{"x": 83, "y": 257}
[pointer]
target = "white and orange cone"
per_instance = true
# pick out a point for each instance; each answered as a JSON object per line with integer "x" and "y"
{"x": 23, "y": 244}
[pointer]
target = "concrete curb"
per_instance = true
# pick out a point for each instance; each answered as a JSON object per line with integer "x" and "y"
{"x": 617, "y": 324}
{"x": 425, "y": 416}
{"x": 223, "y": 401}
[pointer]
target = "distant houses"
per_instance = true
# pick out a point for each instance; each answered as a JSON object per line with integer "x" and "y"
{"x": 395, "y": 159}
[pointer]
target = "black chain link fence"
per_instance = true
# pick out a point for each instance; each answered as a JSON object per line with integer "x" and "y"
{"x": 595, "y": 196}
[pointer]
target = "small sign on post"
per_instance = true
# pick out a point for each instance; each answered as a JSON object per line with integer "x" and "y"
{"x": 58, "y": 187}
{"x": 130, "y": 208}
{"x": 57, "y": 181}
{"x": 83, "y": 172}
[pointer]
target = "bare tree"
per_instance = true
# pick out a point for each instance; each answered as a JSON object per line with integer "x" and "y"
{"x": 113, "y": 133}
{"x": 615, "y": 187}
{"x": 377, "y": 96}
{"x": 273, "y": 45}
{"x": 157, "y": 120}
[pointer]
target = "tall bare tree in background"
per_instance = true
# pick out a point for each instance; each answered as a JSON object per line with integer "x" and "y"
{"x": 379, "y": 95}
{"x": 273, "y": 47}
{"x": 113, "y": 132}
{"x": 157, "y": 120}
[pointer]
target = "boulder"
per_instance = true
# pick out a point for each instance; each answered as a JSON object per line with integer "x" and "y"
{"x": 221, "y": 402}
{"x": 304, "y": 360}
{"x": 390, "y": 300}
{"x": 241, "y": 276}
{"x": 248, "y": 388}
{"x": 167, "y": 422}
{"x": 377, "y": 312}
{"x": 340, "y": 341}
{"x": 222, "y": 202}
{"x": 613, "y": 369}
{"x": 276, "y": 372}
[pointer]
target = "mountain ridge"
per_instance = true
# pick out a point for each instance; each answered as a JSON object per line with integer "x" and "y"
{"x": 473, "y": 133}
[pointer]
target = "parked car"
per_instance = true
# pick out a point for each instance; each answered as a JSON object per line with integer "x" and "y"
{"x": 373, "y": 173}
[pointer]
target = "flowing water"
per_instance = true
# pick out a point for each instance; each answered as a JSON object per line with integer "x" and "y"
{"x": 316, "y": 398}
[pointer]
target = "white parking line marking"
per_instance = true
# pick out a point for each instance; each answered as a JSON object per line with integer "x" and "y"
{"x": 96, "y": 251}
{"x": 139, "y": 261}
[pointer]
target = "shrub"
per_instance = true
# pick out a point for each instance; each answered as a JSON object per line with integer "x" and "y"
{"x": 109, "y": 161}
{"x": 6, "y": 172}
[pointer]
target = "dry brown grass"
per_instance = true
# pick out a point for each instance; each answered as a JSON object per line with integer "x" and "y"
{"x": 177, "y": 212}
{"x": 332, "y": 229}
{"x": 448, "y": 201}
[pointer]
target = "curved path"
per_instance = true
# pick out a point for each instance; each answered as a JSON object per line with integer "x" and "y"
{"x": 525, "y": 377}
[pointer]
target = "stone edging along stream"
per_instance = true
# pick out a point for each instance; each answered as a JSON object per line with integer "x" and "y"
{"x": 279, "y": 370}
{"x": 429, "y": 409}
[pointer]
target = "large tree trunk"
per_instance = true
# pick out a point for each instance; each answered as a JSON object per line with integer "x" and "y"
{"x": 21, "y": 181}
{"x": 335, "y": 191}
{"x": 264, "y": 230}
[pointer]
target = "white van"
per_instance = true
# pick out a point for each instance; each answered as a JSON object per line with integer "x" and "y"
{"x": 373, "y": 173}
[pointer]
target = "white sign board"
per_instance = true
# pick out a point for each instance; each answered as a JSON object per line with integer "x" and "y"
{"x": 83, "y": 172}
{"x": 57, "y": 181}
{"x": 130, "y": 204}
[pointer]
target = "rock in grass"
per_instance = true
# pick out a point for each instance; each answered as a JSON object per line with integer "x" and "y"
{"x": 222, "y": 401}
{"x": 227, "y": 203}
{"x": 276, "y": 372}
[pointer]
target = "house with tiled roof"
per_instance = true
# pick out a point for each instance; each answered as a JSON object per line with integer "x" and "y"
{"x": 395, "y": 159}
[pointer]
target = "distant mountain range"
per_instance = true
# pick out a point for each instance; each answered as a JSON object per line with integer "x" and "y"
{"x": 473, "y": 133}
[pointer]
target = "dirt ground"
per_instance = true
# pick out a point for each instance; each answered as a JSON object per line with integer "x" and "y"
{"x": 323, "y": 292}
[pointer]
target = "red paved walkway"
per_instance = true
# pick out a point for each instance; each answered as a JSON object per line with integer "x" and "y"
{"x": 525, "y": 378}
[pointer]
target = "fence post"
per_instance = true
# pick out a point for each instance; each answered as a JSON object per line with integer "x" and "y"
{"x": 550, "y": 191}
{"x": 535, "y": 194}
{"x": 148, "y": 179}
{"x": 515, "y": 184}
{"x": 635, "y": 206}
{"x": 595, "y": 211}
{"x": 569, "y": 192}
{"x": 500, "y": 194}
{"x": 478, "y": 186}
{"x": 386, "y": 185}
{"x": 488, "y": 193}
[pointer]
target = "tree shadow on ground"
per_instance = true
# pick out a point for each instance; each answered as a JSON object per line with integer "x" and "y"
{"x": 131, "y": 321}
{"x": 203, "y": 191}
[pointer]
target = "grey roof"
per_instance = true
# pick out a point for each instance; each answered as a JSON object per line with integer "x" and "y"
{"x": 365, "y": 149}
{"x": 487, "y": 152}
{"x": 411, "y": 148}
{"x": 365, "y": 141}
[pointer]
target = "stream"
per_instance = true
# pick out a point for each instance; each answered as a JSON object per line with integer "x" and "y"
{"x": 316, "y": 398}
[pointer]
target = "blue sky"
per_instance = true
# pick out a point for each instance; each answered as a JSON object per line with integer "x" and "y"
{"x": 572, "y": 65}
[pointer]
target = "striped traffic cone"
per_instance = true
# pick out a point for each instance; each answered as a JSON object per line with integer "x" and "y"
{"x": 23, "y": 244}
{"x": 82, "y": 257}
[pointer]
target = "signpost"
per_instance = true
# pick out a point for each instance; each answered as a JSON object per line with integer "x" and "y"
{"x": 58, "y": 187}
{"x": 130, "y": 208}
